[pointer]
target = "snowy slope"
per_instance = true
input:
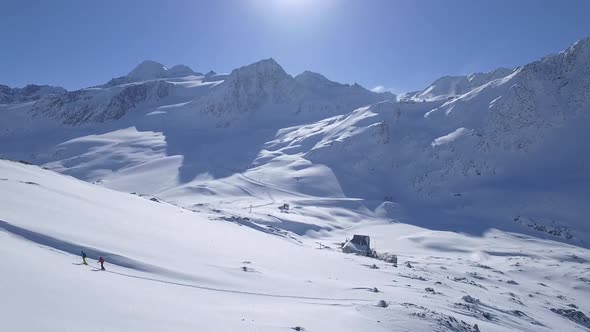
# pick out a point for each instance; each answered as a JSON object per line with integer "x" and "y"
{"x": 169, "y": 268}
{"x": 449, "y": 87}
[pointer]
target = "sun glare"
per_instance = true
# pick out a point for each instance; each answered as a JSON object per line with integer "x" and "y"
{"x": 289, "y": 8}
{"x": 291, "y": 4}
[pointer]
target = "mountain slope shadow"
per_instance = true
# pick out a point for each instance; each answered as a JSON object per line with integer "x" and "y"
{"x": 215, "y": 153}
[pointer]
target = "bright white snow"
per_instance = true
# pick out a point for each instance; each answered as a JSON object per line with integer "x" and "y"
{"x": 171, "y": 268}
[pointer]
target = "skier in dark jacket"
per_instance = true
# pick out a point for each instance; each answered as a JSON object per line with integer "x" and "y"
{"x": 84, "y": 258}
{"x": 101, "y": 261}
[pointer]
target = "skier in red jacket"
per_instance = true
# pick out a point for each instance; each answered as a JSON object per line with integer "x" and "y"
{"x": 101, "y": 261}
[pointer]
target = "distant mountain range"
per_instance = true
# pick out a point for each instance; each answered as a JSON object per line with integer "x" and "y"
{"x": 505, "y": 149}
{"x": 30, "y": 92}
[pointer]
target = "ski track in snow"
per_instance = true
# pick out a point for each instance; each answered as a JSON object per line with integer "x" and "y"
{"x": 236, "y": 291}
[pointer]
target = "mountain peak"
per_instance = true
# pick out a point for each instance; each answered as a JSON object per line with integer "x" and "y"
{"x": 309, "y": 77}
{"x": 267, "y": 68}
{"x": 579, "y": 48}
{"x": 268, "y": 62}
{"x": 148, "y": 69}
{"x": 180, "y": 71}
{"x": 266, "y": 65}
{"x": 151, "y": 69}
{"x": 584, "y": 42}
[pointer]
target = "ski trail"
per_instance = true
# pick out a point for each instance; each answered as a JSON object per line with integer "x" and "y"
{"x": 226, "y": 290}
{"x": 269, "y": 186}
{"x": 260, "y": 205}
{"x": 242, "y": 188}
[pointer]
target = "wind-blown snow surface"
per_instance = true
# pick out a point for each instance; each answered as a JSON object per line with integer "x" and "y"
{"x": 169, "y": 268}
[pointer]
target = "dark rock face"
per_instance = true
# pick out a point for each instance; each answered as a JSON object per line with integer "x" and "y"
{"x": 574, "y": 315}
{"x": 30, "y": 92}
{"x": 81, "y": 106}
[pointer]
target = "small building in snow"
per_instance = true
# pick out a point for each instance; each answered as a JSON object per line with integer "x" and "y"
{"x": 359, "y": 244}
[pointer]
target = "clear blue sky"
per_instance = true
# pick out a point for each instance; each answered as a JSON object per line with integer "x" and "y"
{"x": 401, "y": 45}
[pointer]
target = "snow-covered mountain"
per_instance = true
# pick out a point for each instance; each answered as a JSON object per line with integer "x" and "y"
{"x": 151, "y": 70}
{"x": 261, "y": 136}
{"x": 146, "y": 85}
{"x": 448, "y": 87}
{"x": 262, "y": 87}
